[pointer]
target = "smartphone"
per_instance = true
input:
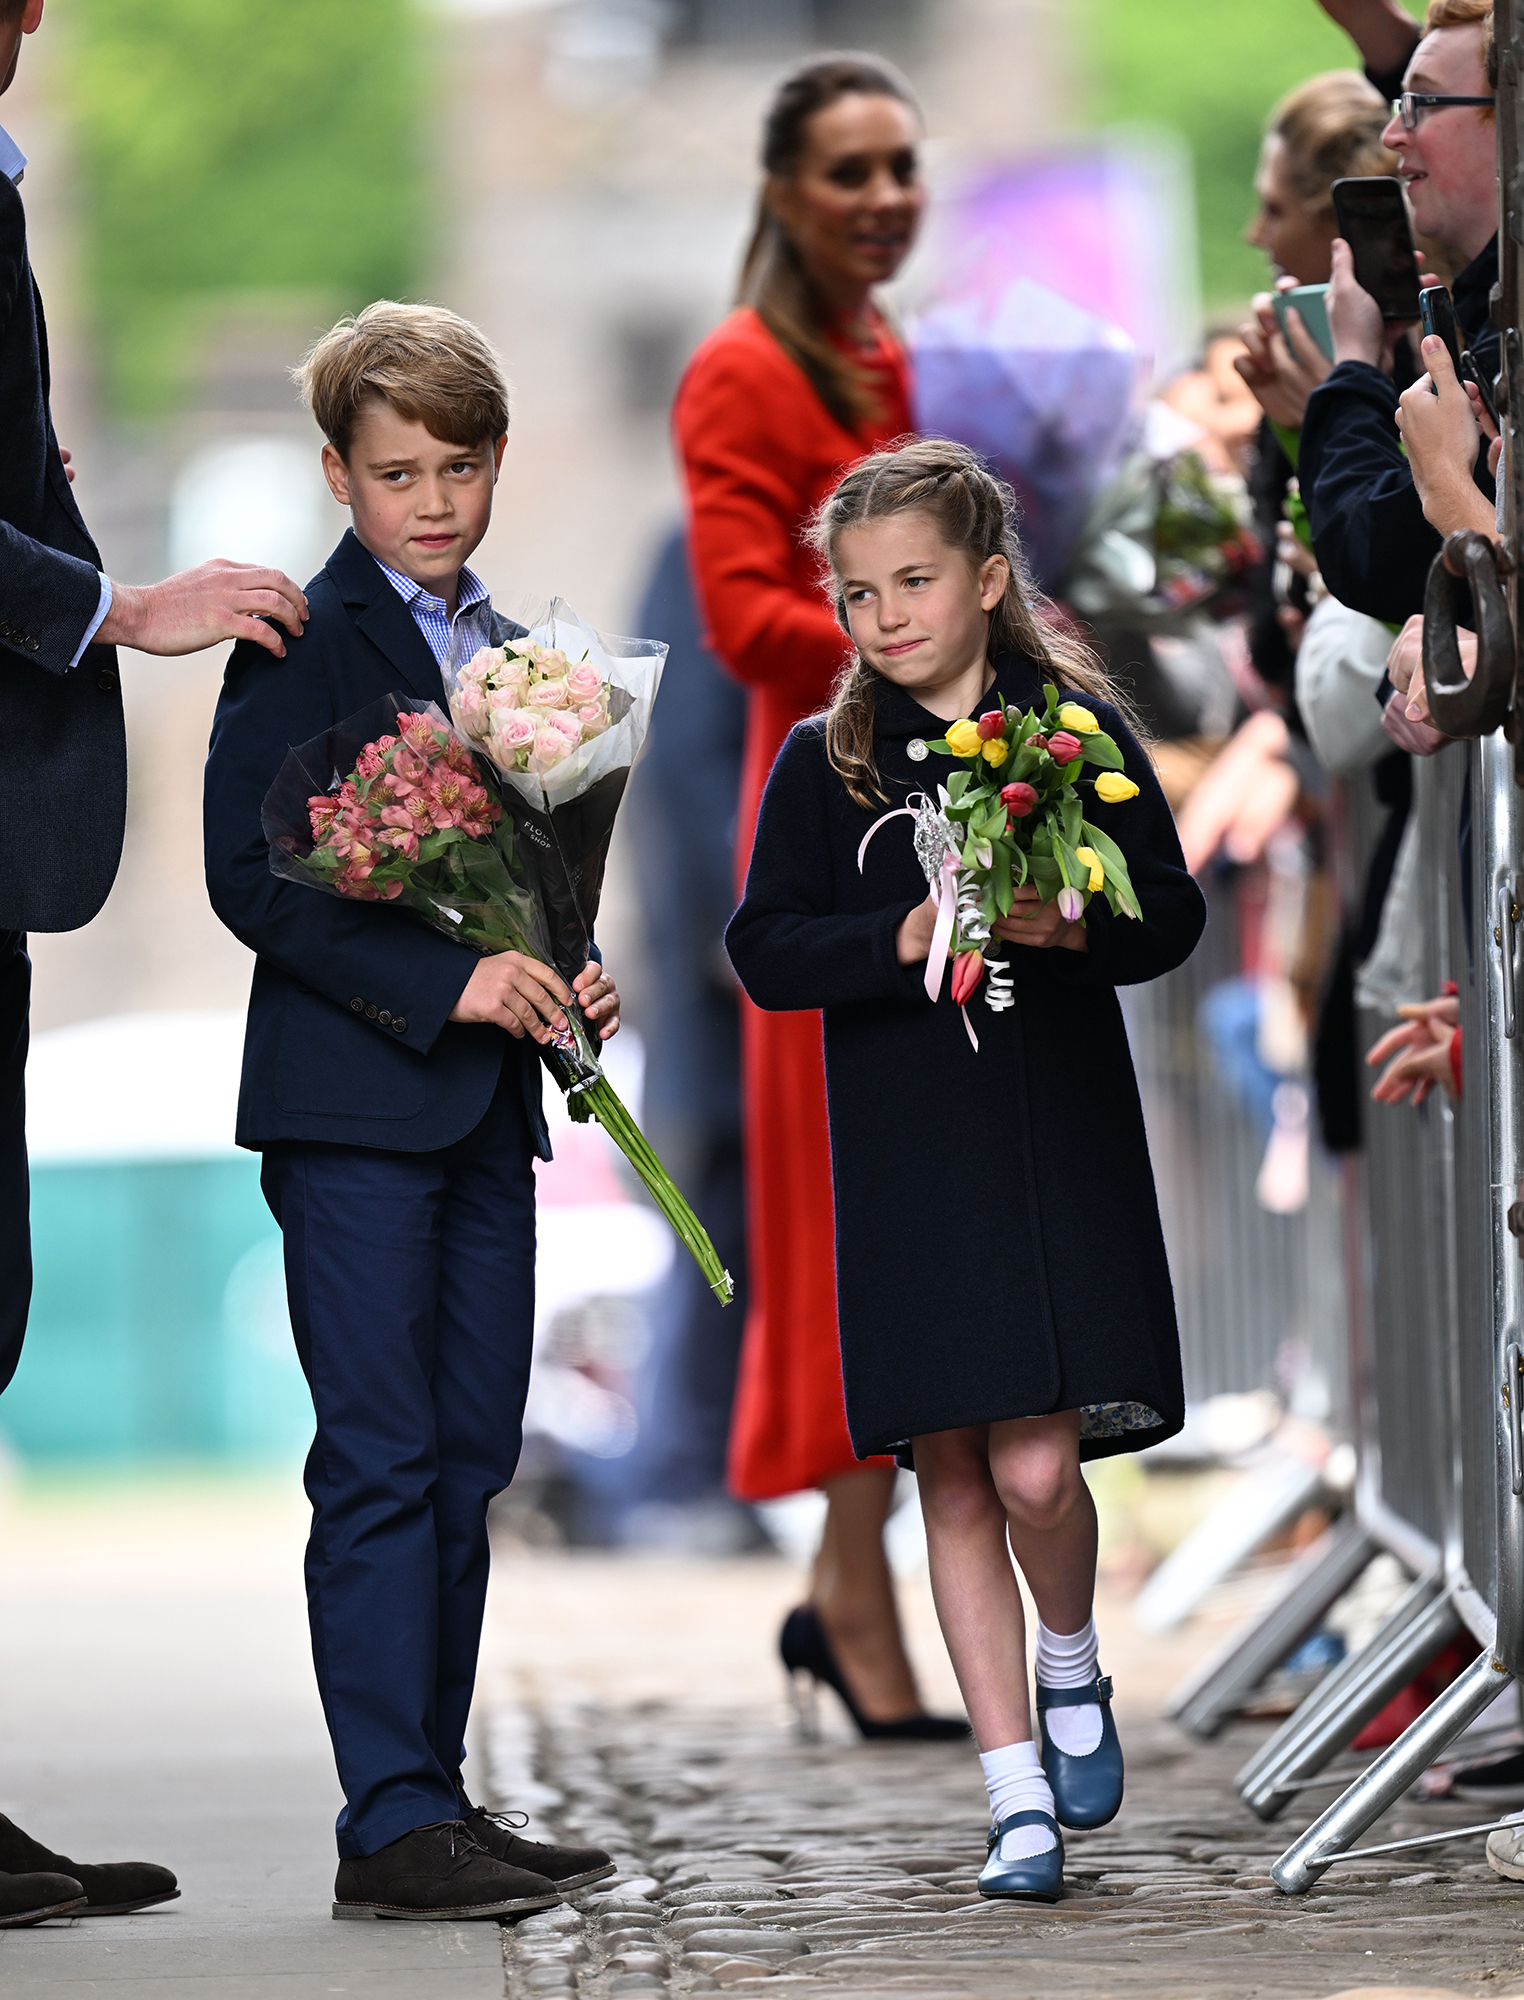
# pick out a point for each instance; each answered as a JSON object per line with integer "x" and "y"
{"x": 1311, "y": 301}
{"x": 1373, "y": 220}
{"x": 1437, "y": 311}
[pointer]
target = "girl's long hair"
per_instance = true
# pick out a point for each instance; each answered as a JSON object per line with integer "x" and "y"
{"x": 974, "y": 513}
{"x": 773, "y": 278}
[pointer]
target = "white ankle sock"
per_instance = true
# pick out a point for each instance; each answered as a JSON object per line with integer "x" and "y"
{"x": 1068, "y": 1660}
{"x": 1014, "y": 1779}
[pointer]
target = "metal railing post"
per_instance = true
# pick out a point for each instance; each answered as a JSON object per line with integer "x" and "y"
{"x": 1389, "y": 1776}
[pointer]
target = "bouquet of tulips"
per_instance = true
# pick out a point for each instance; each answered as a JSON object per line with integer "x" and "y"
{"x": 1013, "y": 816}
{"x": 391, "y": 806}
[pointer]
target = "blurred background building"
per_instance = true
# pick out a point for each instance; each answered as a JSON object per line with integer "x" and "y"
{"x": 211, "y": 182}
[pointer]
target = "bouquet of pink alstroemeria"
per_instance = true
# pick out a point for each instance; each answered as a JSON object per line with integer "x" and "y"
{"x": 390, "y": 805}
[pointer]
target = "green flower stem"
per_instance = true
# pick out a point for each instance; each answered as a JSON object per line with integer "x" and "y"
{"x": 605, "y": 1106}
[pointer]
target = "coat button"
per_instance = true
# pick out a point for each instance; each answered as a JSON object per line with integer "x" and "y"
{"x": 399, "y": 1024}
{"x": 34, "y": 645}
{"x": 358, "y": 1004}
{"x": 384, "y": 1017}
{"x": 107, "y": 679}
{"x": 371, "y": 1011}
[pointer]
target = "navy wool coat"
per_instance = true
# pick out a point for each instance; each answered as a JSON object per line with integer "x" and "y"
{"x": 998, "y": 1250}
{"x": 349, "y": 1040}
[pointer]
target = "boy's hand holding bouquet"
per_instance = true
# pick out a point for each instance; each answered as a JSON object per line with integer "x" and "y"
{"x": 391, "y": 805}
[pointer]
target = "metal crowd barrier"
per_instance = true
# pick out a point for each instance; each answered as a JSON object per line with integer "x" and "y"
{"x": 1260, "y": 1297}
{"x": 1393, "y": 1280}
{"x": 1442, "y": 1383}
{"x": 1413, "y": 1186}
{"x": 1253, "y": 1291}
{"x": 1440, "y": 1337}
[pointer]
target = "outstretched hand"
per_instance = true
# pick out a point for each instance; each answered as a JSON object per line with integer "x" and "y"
{"x": 217, "y": 600}
{"x": 1417, "y": 1054}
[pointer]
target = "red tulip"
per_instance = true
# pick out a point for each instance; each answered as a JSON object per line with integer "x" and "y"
{"x": 1018, "y": 799}
{"x": 1063, "y": 747}
{"x": 1037, "y": 741}
{"x": 968, "y": 970}
{"x": 992, "y": 724}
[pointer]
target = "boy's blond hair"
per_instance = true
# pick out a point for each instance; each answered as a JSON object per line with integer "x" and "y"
{"x": 429, "y": 364}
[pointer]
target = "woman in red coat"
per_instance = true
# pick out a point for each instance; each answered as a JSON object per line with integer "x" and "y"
{"x": 802, "y": 380}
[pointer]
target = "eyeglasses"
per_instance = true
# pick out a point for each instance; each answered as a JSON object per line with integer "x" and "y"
{"x": 1412, "y": 103}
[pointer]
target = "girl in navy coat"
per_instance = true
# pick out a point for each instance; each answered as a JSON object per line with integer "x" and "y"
{"x": 1004, "y": 1298}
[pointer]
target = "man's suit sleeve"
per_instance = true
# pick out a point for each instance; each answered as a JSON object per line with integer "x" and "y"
{"x": 1373, "y": 545}
{"x": 47, "y": 598}
{"x": 346, "y": 951}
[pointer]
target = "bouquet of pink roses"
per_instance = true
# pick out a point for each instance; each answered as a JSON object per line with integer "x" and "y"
{"x": 390, "y": 806}
{"x": 560, "y": 712}
{"x": 528, "y": 705}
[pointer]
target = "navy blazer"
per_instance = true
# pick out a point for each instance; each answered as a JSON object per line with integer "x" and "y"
{"x": 349, "y": 1038}
{"x": 62, "y": 814}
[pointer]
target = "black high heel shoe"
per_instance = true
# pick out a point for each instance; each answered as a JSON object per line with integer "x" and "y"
{"x": 808, "y": 1661}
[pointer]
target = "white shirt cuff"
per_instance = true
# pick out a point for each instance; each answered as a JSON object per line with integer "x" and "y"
{"x": 95, "y": 623}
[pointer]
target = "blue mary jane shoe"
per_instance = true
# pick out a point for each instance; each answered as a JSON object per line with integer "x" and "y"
{"x": 1035, "y": 1878}
{"x": 1087, "y": 1791}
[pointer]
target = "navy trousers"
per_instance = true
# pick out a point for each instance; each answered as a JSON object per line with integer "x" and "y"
{"x": 411, "y": 1285}
{"x": 15, "y": 1219}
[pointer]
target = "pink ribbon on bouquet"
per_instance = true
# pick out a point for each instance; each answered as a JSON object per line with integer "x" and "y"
{"x": 944, "y": 893}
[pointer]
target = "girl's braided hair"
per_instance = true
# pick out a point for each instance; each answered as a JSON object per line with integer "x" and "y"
{"x": 974, "y": 513}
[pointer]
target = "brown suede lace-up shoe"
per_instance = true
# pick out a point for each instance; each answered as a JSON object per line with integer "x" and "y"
{"x": 435, "y": 1873}
{"x": 111, "y": 1888}
{"x": 32, "y": 1899}
{"x": 568, "y": 1867}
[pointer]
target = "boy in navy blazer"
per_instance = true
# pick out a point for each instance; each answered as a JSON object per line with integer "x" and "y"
{"x": 391, "y": 1082}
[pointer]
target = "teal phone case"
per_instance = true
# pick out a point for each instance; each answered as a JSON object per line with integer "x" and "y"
{"x": 1311, "y": 301}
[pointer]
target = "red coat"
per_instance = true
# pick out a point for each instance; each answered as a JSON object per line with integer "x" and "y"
{"x": 760, "y": 451}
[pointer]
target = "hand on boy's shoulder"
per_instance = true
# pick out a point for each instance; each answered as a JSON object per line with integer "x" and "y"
{"x": 198, "y": 607}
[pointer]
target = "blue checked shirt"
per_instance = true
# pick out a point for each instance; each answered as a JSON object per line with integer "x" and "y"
{"x": 429, "y": 612}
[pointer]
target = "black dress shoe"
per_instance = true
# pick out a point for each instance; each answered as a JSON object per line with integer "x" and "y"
{"x": 32, "y": 1899}
{"x": 567, "y": 1867}
{"x": 437, "y": 1872}
{"x": 111, "y": 1888}
{"x": 805, "y": 1649}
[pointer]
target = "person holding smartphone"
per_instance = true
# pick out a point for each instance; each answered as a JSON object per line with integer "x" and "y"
{"x": 1327, "y": 128}
{"x": 1372, "y": 540}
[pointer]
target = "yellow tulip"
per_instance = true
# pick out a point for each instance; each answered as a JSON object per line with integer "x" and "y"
{"x": 1080, "y": 720}
{"x": 996, "y": 751}
{"x": 1093, "y": 862}
{"x": 963, "y": 739}
{"x": 1114, "y": 788}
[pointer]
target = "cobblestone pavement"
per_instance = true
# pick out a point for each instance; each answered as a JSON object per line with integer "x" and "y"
{"x": 747, "y": 1855}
